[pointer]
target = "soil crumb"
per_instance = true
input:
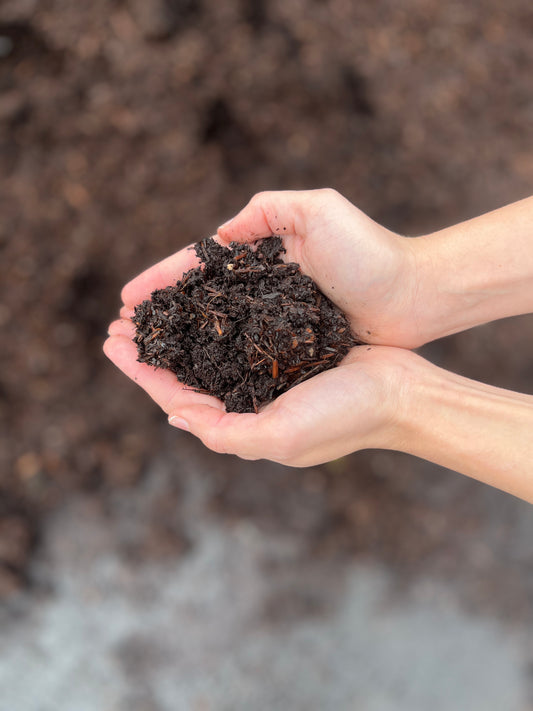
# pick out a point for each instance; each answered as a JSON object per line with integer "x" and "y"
{"x": 244, "y": 326}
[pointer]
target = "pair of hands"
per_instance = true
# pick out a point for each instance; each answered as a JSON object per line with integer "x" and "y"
{"x": 369, "y": 272}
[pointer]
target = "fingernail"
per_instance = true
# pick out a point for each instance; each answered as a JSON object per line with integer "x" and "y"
{"x": 179, "y": 422}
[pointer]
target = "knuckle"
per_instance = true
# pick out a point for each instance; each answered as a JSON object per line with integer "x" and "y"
{"x": 213, "y": 440}
{"x": 259, "y": 198}
{"x": 171, "y": 403}
{"x": 330, "y": 193}
{"x": 294, "y": 462}
{"x": 249, "y": 457}
{"x": 287, "y": 447}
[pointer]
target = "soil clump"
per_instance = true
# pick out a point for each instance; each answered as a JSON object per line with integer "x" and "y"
{"x": 244, "y": 326}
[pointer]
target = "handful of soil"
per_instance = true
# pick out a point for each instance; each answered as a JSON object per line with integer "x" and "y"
{"x": 244, "y": 326}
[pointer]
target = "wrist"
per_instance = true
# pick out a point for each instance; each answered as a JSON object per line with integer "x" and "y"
{"x": 432, "y": 308}
{"x": 410, "y": 307}
{"x": 474, "y": 272}
{"x": 420, "y": 400}
{"x": 400, "y": 375}
{"x": 476, "y": 429}
{"x": 448, "y": 292}
{"x": 445, "y": 291}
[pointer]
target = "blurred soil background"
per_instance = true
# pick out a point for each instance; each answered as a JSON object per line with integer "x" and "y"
{"x": 130, "y": 128}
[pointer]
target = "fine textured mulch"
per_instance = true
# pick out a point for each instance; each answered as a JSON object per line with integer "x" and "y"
{"x": 244, "y": 326}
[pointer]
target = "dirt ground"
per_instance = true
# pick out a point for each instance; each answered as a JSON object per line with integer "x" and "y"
{"x": 129, "y": 129}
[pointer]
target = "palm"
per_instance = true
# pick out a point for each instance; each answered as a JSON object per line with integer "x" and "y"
{"x": 360, "y": 266}
{"x": 354, "y": 264}
{"x": 338, "y": 410}
{"x": 364, "y": 268}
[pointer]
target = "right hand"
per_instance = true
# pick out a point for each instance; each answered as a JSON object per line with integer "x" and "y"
{"x": 367, "y": 270}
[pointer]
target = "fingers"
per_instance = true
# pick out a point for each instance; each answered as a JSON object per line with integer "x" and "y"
{"x": 274, "y": 213}
{"x": 267, "y": 213}
{"x": 162, "y": 385}
{"x": 320, "y": 419}
{"x": 249, "y": 435}
{"x": 164, "y": 273}
{"x": 126, "y": 312}
{"x": 281, "y": 432}
{"x": 122, "y": 327}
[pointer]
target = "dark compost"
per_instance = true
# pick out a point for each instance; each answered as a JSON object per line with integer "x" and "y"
{"x": 244, "y": 326}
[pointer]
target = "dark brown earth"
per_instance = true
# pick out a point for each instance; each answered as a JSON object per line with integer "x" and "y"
{"x": 131, "y": 128}
{"x": 244, "y": 326}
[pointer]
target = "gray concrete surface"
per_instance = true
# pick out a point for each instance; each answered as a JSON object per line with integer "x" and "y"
{"x": 240, "y": 622}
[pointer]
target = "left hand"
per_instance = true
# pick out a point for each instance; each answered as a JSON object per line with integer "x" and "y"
{"x": 353, "y": 406}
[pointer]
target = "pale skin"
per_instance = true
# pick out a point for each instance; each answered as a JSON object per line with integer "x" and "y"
{"x": 398, "y": 293}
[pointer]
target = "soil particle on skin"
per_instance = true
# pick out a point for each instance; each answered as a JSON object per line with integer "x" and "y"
{"x": 244, "y": 326}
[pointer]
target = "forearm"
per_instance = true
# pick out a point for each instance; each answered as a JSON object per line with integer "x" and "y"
{"x": 474, "y": 272}
{"x": 473, "y": 428}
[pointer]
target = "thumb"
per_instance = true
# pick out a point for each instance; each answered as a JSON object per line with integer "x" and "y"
{"x": 270, "y": 213}
{"x": 247, "y": 435}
